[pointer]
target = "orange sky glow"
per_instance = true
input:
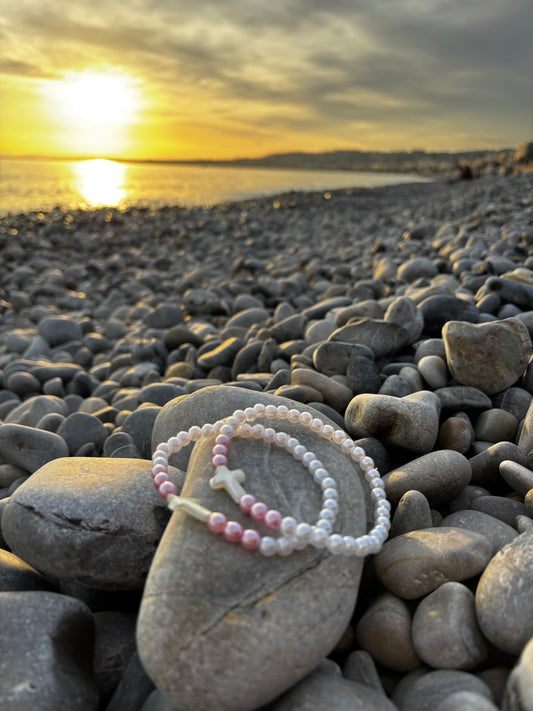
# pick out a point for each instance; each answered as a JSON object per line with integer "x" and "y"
{"x": 159, "y": 79}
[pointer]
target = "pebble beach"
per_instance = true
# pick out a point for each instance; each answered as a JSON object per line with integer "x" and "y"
{"x": 401, "y": 315}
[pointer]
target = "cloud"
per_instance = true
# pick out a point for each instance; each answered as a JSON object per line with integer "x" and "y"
{"x": 321, "y": 66}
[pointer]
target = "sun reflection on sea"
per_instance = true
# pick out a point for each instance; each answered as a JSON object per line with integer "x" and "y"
{"x": 100, "y": 182}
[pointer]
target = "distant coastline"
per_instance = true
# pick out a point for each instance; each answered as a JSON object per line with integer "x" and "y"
{"x": 421, "y": 162}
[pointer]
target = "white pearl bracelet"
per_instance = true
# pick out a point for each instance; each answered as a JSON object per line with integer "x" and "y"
{"x": 295, "y": 535}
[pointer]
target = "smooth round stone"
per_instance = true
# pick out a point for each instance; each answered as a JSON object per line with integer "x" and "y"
{"x": 417, "y": 268}
{"x": 139, "y": 426}
{"x": 15, "y": 574}
{"x": 439, "y": 476}
{"x": 369, "y": 308}
{"x": 410, "y": 422}
{"x": 325, "y": 691}
{"x": 412, "y": 514}
{"x": 466, "y": 701}
{"x": 164, "y": 316}
{"x": 514, "y": 400}
{"x": 178, "y": 335}
{"x": 505, "y": 585}
{"x": 404, "y": 312}
{"x": 80, "y": 428}
{"x": 55, "y": 632}
{"x": 495, "y": 425}
{"x": 500, "y": 507}
{"x": 96, "y": 521}
{"x": 318, "y": 331}
{"x": 359, "y": 666}
{"x": 248, "y": 317}
{"x": 486, "y": 464}
{"x": 519, "y": 478}
{"x": 439, "y": 309}
{"x": 519, "y": 689}
{"x": 430, "y": 347}
{"x": 30, "y": 448}
{"x": 9, "y": 473}
{"x": 30, "y": 411}
{"x": 489, "y": 356}
{"x": 289, "y": 328}
{"x": 214, "y": 610}
{"x": 428, "y": 690}
{"x": 159, "y": 393}
{"x": 54, "y": 386}
{"x": 434, "y": 371}
{"x": 445, "y": 631}
{"x": 456, "y": 433}
{"x": 382, "y": 337}
{"x": 221, "y": 354}
{"x": 335, "y": 394}
{"x": 246, "y": 359}
{"x": 384, "y": 631}
{"x": 59, "y": 329}
{"x": 497, "y": 532}
{"x": 362, "y": 375}
{"x": 462, "y": 397}
{"x": 415, "y": 563}
{"x": 23, "y": 384}
{"x": 395, "y": 386}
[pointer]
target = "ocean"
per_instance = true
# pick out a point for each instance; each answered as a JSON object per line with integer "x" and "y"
{"x": 40, "y": 185}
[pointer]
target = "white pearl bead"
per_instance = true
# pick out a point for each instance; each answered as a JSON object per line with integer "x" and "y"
{"x": 288, "y": 526}
{"x": 245, "y": 430}
{"x": 319, "y": 537}
{"x": 232, "y": 421}
{"x": 259, "y": 409}
{"x": 257, "y": 431}
{"x": 327, "y": 432}
{"x": 292, "y": 443}
{"x": 284, "y": 546}
{"x": 331, "y": 493}
{"x": 306, "y": 418}
{"x": 335, "y": 544}
{"x": 327, "y": 483}
{"x": 331, "y": 504}
{"x": 269, "y": 434}
{"x": 282, "y": 438}
{"x": 163, "y": 447}
{"x": 294, "y": 415}
{"x": 380, "y": 531}
{"x": 227, "y": 430}
{"x": 283, "y": 412}
{"x": 271, "y": 411}
{"x": 268, "y": 546}
{"x": 327, "y": 515}
{"x": 366, "y": 463}
{"x": 314, "y": 465}
{"x": 303, "y": 532}
{"x": 349, "y": 545}
{"x": 348, "y": 445}
{"x": 240, "y": 415}
{"x": 317, "y": 425}
{"x": 339, "y": 436}
{"x": 208, "y": 430}
{"x": 377, "y": 493}
{"x": 195, "y": 433}
{"x": 320, "y": 475}
{"x": 308, "y": 458}
{"x": 383, "y": 521}
{"x": 249, "y": 413}
{"x": 358, "y": 453}
{"x": 326, "y": 525}
{"x": 299, "y": 451}
{"x": 175, "y": 444}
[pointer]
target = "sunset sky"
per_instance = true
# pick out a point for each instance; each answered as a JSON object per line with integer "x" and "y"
{"x": 215, "y": 79}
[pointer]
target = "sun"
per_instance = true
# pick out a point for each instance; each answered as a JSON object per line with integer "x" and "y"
{"x": 94, "y": 110}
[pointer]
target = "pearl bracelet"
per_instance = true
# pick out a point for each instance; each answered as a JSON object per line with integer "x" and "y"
{"x": 294, "y": 535}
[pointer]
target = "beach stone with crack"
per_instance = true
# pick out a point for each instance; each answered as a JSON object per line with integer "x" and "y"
{"x": 45, "y": 652}
{"x": 439, "y": 475}
{"x": 384, "y": 631}
{"x": 30, "y": 448}
{"x": 215, "y": 610}
{"x": 505, "y": 585}
{"x": 382, "y": 337}
{"x": 95, "y": 521}
{"x": 445, "y": 631}
{"x": 490, "y": 356}
{"x": 415, "y": 563}
{"x": 411, "y": 422}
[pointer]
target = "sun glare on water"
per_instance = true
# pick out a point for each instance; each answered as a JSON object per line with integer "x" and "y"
{"x": 94, "y": 110}
{"x": 100, "y": 182}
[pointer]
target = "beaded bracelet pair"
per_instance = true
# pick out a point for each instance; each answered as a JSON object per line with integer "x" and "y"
{"x": 294, "y": 535}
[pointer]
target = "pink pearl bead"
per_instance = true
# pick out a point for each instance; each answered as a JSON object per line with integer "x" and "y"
{"x": 258, "y": 511}
{"x": 166, "y": 489}
{"x": 219, "y": 460}
{"x": 222, "y": 439}
{"x": 233, "y": 532}
{"x": 158, "y": 468}
{"x": 220, "y": 449}
{"x": 216, "y": 522}
{"x": 273, "y": 519}
{"x": 250, "y": 539}
{"x": 246, "y": 502}
{"x": 160, "y": 478}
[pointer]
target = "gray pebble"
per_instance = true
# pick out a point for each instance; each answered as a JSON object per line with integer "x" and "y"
{"x": 497, "y": 532}
{"x": 434, "y": 371}
{"x": 382, "y": 337}
{"x": 30, "y": 448}
{"x": 412, "y": 514}
{"x": 463, "y": 397}
{"x": 456, "y": 433}
{"x": 362, "y": 375}
{"x": 486, "y": 464}
{"x": 30, "y": 411}
{"x": 332, "y": 357}
{"x": 15, "y": 574}
{"x": 333, "y": 393}
{"x": 495, "y": 425}
{"x": 59, "y": 330}
{"x": 439, "y": 475}
{"x": 79, "y": 429}
{"x": 139, "y": 426}
{"x": 466, "y": 701}
{"x": 433, "y": 688}
{"x": 384, "y": 631}
{"x": 445, "y": 631}
{"x": 500, "y": 507}
{"x": 439, "y": 309}
{"x": 415, "y": 563}
{"x": 506, "y": 585}
{"x": 519, "y": 478}
{"x": 417, "y": 268}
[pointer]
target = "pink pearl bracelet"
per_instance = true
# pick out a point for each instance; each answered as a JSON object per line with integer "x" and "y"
{"x": 294, "y": 535}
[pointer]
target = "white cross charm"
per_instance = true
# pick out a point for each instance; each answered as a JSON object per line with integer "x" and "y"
{"x": 191, "y": 506}
{"x": 229, "y": 479}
